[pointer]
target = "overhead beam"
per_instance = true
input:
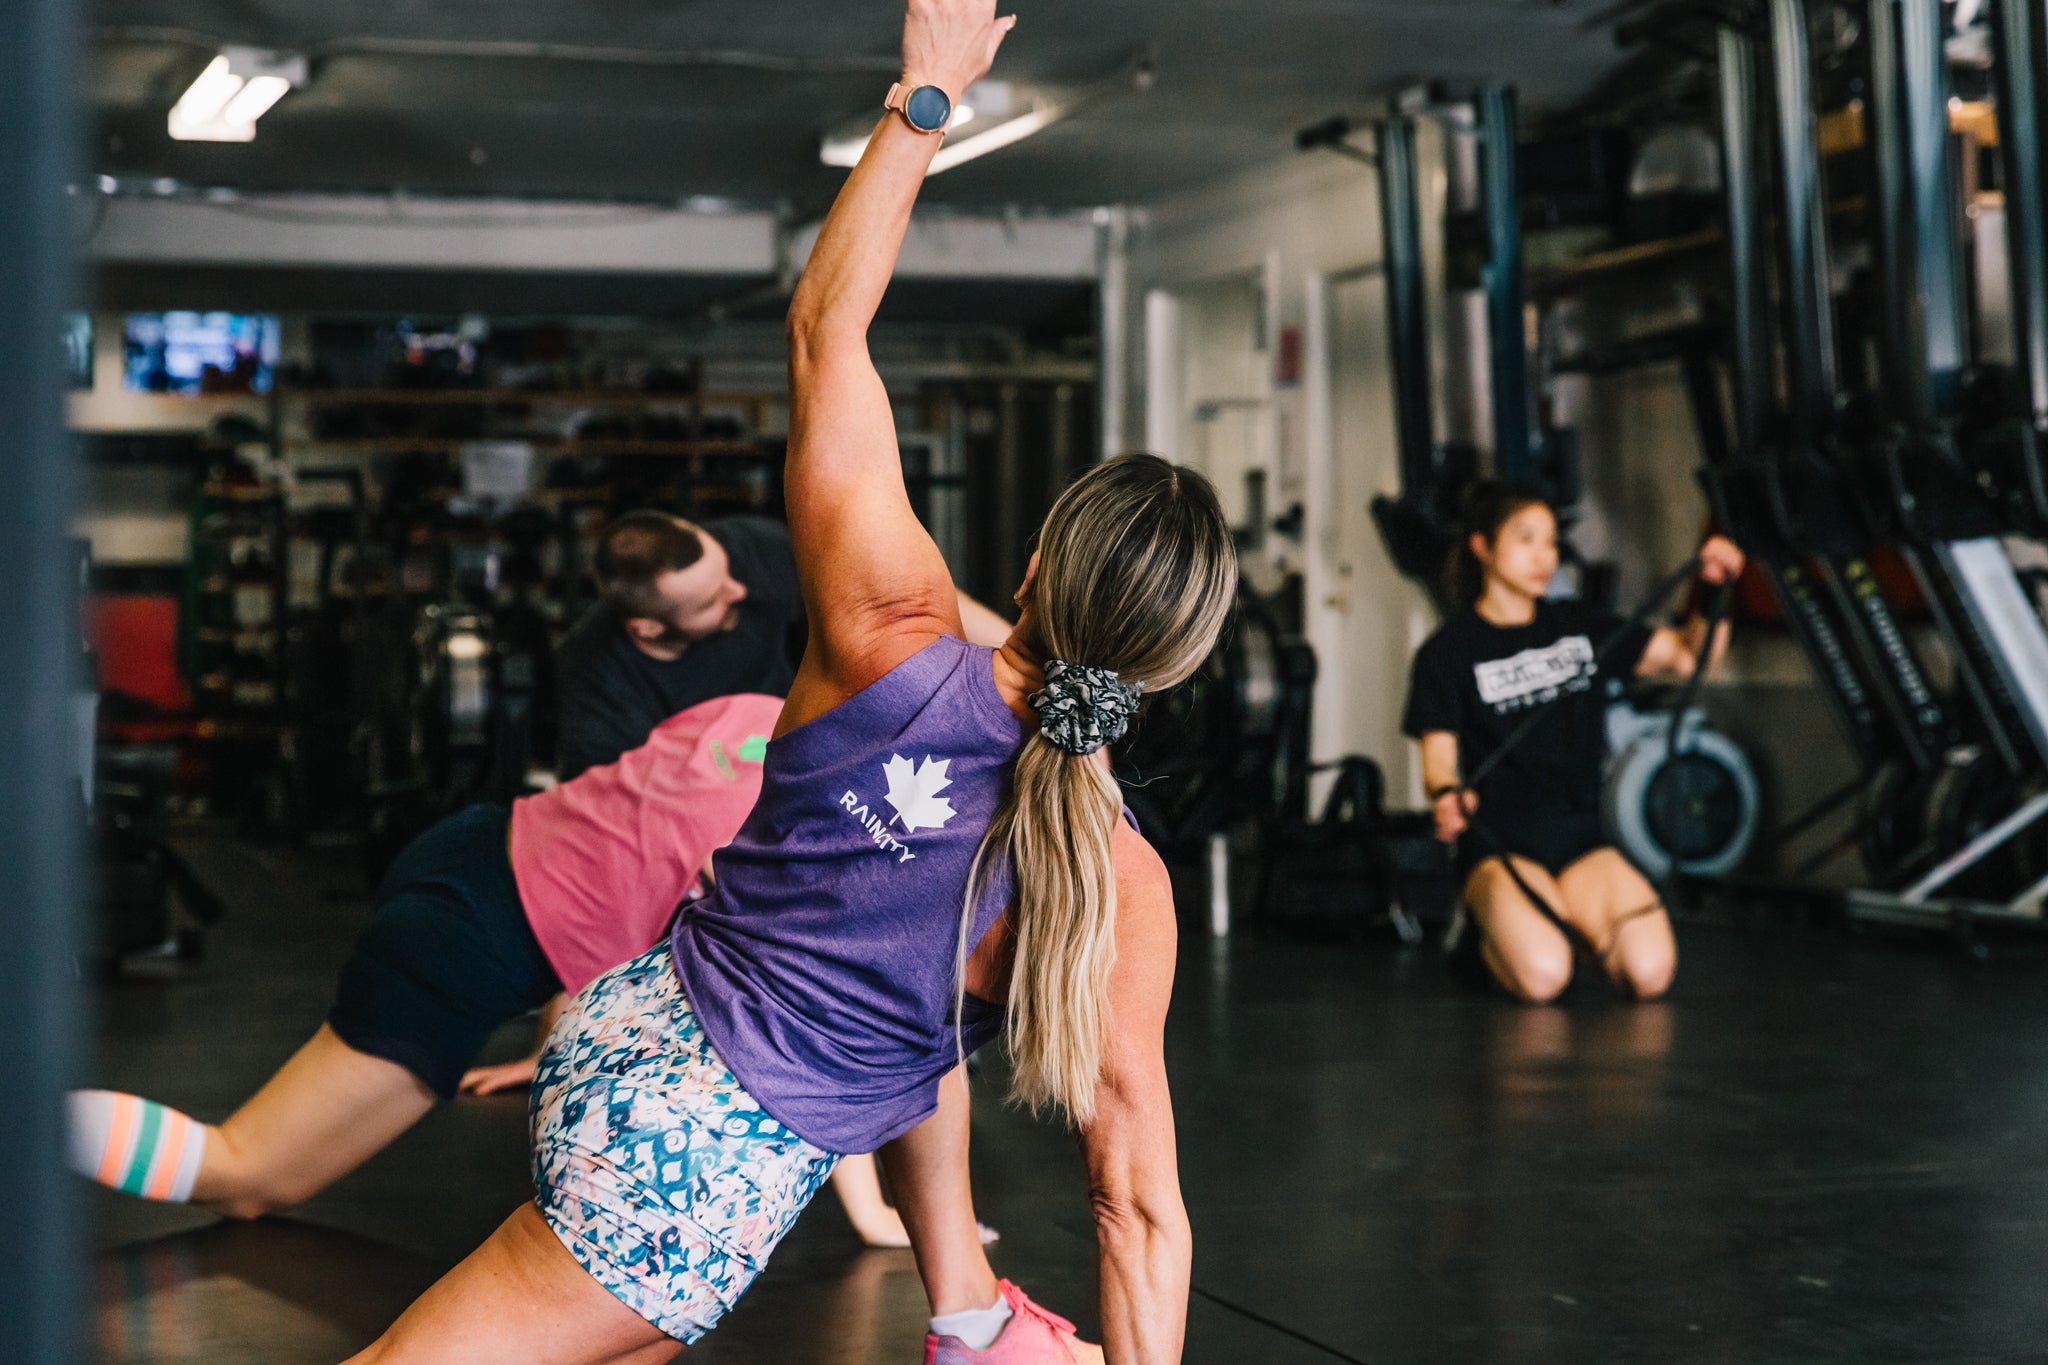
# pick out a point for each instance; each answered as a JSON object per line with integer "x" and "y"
{"x": 362, "y": 231}
{"x": 366, "y": 232}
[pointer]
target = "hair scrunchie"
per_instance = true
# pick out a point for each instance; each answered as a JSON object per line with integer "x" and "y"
{"x": 1081, "y": 709}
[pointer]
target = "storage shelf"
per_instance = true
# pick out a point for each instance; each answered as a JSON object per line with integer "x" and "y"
{"x": 559, "y": 448}
{"x": 624, "y": 398}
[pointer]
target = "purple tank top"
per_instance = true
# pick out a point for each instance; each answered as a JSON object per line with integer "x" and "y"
{"x": 823, "y": 964}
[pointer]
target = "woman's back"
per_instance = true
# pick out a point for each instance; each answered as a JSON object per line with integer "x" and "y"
{"x": 603, "y": 860}
{"x": 823, "y": 966}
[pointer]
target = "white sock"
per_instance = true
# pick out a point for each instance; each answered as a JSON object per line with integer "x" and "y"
{"x": 977, "y": 1329}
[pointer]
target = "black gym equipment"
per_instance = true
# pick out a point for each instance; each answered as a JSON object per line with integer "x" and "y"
{"x": 1223, "y": 762}
{"x": 1745, "y": 487}
{"x": 1926, "y": 456}
{"x": 1419, "y": 524}
{"x": 1679, "y": 797}
{"x": 1949, "y": 508}
{"x": 462, "y": 687}
{"x": 149, "y": 907}
{"x": 1788, "y": 497}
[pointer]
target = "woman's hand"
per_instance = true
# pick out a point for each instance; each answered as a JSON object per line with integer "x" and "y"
{"x": 489, "y": 1080}
{"x": 1721, "y": 561}
{"x": 1451, "y": 809}
{"x": 952, "y": 43}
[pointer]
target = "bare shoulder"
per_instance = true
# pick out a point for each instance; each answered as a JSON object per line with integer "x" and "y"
{"x": 1144, "y": 891}
{"x": 1147, "y": 947}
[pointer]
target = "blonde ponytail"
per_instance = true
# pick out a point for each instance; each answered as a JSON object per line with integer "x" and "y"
{"x": 1136, "y": 572}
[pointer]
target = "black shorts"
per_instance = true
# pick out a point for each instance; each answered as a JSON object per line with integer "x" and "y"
{"x": 448, "y": 955}
{"x": 1553, "y": 839}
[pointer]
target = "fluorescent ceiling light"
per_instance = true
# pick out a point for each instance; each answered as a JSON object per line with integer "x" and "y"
{"x": 208, "y": 96}
{"x": 1003, "y": 115}
{"x": 238, "y": 87}
{"x": 995, "y": 137}
{"x": 255, "y": 100}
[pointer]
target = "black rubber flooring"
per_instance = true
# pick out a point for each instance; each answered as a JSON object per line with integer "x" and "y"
{"x": 1821, "y": 1149}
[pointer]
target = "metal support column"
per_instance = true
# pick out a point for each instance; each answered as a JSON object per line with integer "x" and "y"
{"x": 1809, "y": 304}
{"x": 2018, "y": 25}
{"x": 41, "y": 1270}
{"x": 1904, "y": 389}
{"x": 1937, "y": 204}
{"x": 1407, "y": 308}
{"x": 1918, "y": 205}
{"x": 1514, "y": 453}
{"x": 1752, "y": 351}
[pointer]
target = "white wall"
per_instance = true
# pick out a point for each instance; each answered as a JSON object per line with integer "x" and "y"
{"x": 1217, "y": 278}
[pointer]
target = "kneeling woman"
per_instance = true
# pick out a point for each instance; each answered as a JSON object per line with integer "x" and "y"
{"x": 1533, "y": 828}
{"x": 937, "y": 856}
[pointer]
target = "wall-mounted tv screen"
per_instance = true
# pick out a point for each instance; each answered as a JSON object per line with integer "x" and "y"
{"x": 200, "y": 353}
{"x": 78, "y": 350}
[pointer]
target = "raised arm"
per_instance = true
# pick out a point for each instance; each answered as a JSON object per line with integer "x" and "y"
{"x": 1141, "y": 1225}
{"x": 875, "y": 587}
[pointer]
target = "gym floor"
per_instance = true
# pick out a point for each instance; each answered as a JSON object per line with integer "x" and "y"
{"x": 1821, "y": 1149}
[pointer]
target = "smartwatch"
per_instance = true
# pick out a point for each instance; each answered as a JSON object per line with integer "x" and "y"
{"x": 924, "y": 107}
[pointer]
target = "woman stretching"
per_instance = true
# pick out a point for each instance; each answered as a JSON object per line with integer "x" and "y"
{"x": 1510, "y": 651}
{"x": 937, "y": 856}
{"x": 490, "y": 914}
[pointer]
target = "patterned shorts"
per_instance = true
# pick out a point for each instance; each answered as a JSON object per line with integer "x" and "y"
{"x": 667, "y": 1181}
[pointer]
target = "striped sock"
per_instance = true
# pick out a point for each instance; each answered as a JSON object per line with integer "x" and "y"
{"x": 134, "y": 1145}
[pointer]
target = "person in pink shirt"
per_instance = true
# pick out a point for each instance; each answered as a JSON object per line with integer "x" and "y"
{"x": 493, "y": 913}
{"x": 597, "y": 860}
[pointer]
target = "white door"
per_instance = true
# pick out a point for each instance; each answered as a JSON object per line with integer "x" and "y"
{"x": 1369, "y": 619}
{"x": 1222, "y": 418}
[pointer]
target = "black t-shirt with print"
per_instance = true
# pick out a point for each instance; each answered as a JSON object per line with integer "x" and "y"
{"x": 613, "y": 695}
{"x": 1479, "y": 681}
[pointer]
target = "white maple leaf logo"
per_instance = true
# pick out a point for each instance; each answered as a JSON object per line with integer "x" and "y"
{"x": 914, "y": 792}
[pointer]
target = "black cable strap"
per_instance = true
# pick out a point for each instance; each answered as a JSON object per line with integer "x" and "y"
{"x": 1279, "y": 1327}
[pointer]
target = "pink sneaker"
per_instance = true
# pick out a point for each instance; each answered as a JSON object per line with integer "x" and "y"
{"x": 1032, "y": 1336}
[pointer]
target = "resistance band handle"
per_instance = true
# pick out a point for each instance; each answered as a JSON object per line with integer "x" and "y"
{"x": 1720, "y": 600}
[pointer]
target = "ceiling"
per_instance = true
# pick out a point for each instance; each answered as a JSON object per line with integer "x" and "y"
{"x": 666, "y": 99}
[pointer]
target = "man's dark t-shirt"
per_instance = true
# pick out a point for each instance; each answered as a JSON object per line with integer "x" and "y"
{"x": 612, "y": 695}
{"x": 1478, "y": 681}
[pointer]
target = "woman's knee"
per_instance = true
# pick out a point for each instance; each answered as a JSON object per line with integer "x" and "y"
{"x": 252, "y": 1200}
{"x": 1645, "y": 968}
{"x": 241, "y": 1184}
{"x": 1534, "y": 969}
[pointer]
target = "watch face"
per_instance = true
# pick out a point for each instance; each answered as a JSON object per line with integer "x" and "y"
{"x": 929, "y": 108}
